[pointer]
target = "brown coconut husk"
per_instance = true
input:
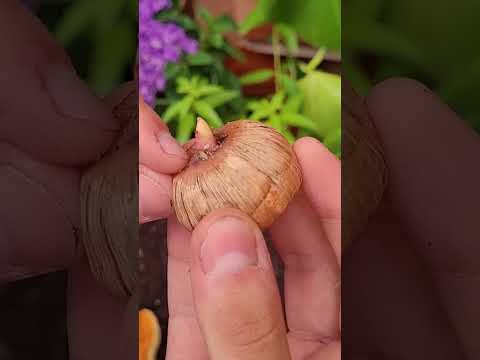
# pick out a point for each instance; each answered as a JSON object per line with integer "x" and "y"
{"x": 364, "y": 171}
{"x": 109, "y": 203}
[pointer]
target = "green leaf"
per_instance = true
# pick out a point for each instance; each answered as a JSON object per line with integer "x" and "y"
{"x": 224, "y": 24}
{"x": 315, "y": 62}
{"x": 299, "y": 121}
{"x": 112, "y": 56}
{"x": 234, "y": 52}
{"x": 259, "y": 16}
{"x": 208, "y": 113}
{"x": 256, "y": 77}
{"x": 333, "y": 141}
{"x": 288, "y": 84}
{"x": 77, "y": 17}
{"x": 206, "y": 16}
{"x": 277, "y": 101}
{"x": 216, "y": 40}
{"x": 177, "y": 108}
{"x": 208, "y": 90}
{"x": 289, "y": 36}
{"x": 184, "y": 86}
{"x": 222, "y": 98}
{"x": 318, "y": 22}
{"x": 293, "y": 104}
{"x": 201, "y": 58}
{"x": 185, "y": 127}
{"x": 322, "y": 100}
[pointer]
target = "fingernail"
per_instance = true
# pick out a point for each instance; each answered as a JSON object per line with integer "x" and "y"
{"x": 229, "y": 247}
{"x": 154, "y": 195}
{"x": 170, "y": 146}
{"x": 73, "y": 98}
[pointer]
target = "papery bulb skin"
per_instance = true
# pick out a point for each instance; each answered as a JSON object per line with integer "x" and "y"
{"x": 251, "y": 167}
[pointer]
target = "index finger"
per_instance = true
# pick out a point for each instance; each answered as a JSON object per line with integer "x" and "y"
{"x": 158, "y": 149}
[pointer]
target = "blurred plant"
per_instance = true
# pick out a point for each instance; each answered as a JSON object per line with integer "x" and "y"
{"x": 419, "y": 39}
{"x": 304, "y": 16}
{"x": 108, "y": 29}
{"x": 206, "y": 63}
{"x": 281, "y": 112}
{"x": 160, "y": 43}
{"x": 199, "y": 98}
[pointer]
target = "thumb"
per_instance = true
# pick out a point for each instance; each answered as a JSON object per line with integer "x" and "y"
{"x": 236, "y": 297}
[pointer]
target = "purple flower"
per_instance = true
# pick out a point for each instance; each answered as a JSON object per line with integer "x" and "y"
{"x": 159, "y": 44}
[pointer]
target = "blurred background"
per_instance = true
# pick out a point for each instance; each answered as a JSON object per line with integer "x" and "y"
{"x": 434, "y": 42}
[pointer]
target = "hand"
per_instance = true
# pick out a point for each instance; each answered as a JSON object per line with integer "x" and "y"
{"x": 159, "y": 157}
{"x": 222, "y": 294}
{"x": 51, "y": 126}
{"x": 411, "y": 280}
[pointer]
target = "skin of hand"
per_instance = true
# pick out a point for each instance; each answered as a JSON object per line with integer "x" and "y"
{"x": 411, "y": 282}
{"x": 223, "y": 298}
{"x": 51, "y": 128}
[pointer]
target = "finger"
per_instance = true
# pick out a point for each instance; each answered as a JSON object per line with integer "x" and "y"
{"x": 235, "y": 293}
{"x": 388, "y": 295}
{"x": 431, "y": 155}
{"x": 47, "y": 110}
{"x": 184, "y": 339}
{"x": 312, "y": 278}
{"x": 154, "y": 195}
{"x": 322, "y": 185}
{"x": 99, "y": 325}
{"x": 158, "y": 149}
{"x": 39, "y": 215}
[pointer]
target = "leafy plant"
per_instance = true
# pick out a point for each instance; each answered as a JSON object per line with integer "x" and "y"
{"x": 207, "y": 63}
{"x": 283, "y": 113}
{"x": 199, "y": 98}
{"x": 304, "y": 16}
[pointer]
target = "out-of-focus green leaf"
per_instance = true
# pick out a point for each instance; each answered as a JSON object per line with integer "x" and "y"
{"x": 200, "y": 58}
{"x": 224, "y": 24}
{"x": 277, "y": 100}
{"x": 299, "y": 121}
{"x": 289, "y": 85}
{"x": 322, "y": 100}
{"x": 206, "y": 16}
{"x": 293, "y": 104}
{"x": 208, "y": 113}
{"x": 289, "y": 36}
{"x": 314, "y": 62}
{"x": 185, "y": 127}
{"x": 259, "y": 16}
{"x": 205, "y": 90}
{"x": 181, "y": 106}
{"x": 221, "y": 98}
{"x": 216, "y": 40}
{"x": 256, "y": 77}
{"x": 77, "y": 18}
{"x": 334, "y": 141}
{"x": 318, "y": 22}
{"x": 112, "y": 56}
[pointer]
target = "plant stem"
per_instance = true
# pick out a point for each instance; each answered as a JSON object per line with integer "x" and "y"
{"x": 276, "y": 58}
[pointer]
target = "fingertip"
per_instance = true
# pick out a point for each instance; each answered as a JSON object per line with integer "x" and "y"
{"x": 158, "y": 149}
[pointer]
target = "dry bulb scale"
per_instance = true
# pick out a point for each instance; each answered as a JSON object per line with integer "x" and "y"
{"x": 245, "y": 165}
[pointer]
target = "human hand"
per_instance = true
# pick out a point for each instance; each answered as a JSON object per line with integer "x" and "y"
{"x": 51, "y": 126}
{"x": 222, "y": 295}
{"x": 160, "y": 156}
{"x": 410, "y": 281}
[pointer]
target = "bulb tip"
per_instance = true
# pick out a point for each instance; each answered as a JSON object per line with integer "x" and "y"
{"x": 203, "y": 133}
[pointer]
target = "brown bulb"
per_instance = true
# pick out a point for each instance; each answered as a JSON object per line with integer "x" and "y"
{"x": 245, "y": 165}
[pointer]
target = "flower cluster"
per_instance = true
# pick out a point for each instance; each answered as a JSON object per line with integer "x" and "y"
{"x": 159, "y": 44}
